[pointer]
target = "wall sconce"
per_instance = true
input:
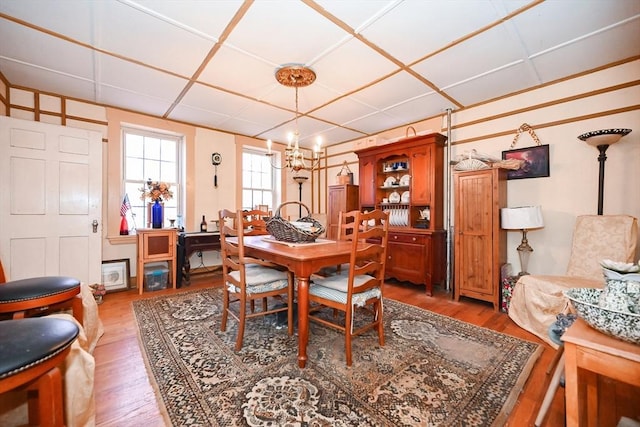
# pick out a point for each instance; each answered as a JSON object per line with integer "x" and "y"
{"x": 522, "y": 218}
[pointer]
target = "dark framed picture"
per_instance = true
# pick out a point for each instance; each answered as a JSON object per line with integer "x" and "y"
{"x": 536, "y": 162}
{"x": 115, "y": 275}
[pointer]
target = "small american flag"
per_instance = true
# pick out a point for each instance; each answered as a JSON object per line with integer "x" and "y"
{"x": 125, "y": 205}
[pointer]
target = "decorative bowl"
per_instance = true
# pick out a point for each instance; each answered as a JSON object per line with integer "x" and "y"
{"x": 603, "y": 136}
{"x": 624, "y": 326}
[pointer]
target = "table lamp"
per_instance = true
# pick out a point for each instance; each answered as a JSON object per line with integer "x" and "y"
{"x": 522, "y": 218}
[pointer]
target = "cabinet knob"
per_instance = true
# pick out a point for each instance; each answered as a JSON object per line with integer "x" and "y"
{"x": 414, "y": 239}
{"x": 395, "y": 237}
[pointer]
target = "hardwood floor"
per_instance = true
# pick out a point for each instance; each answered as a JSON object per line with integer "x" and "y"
{"x": 125, "y": 396}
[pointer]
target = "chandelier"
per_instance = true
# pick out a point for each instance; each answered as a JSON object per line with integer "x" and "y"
{"x": 296, "y": 76}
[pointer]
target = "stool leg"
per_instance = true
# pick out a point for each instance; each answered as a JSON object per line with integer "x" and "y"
{"x": 78, "y": 308}
{"x": 551, "y": 391}
{"x": 45, "y": 400}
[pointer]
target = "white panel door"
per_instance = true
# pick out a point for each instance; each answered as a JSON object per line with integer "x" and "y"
{"x": 51, "y": 195}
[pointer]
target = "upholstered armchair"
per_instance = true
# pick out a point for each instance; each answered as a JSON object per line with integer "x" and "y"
{"x": 537, "y": 299}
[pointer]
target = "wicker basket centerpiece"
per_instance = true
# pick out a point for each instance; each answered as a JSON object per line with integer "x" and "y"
{"x": 305, "y": 230}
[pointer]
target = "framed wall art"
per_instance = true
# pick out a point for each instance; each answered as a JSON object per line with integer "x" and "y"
{"x": 536, "y": 162}
{"x": 115, "y": 275}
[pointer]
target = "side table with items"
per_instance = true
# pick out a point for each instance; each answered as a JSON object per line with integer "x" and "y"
{"x": 508, "y": 283}
{"x": 589, "y": 354}
{"x": 156, "y": 245}
{"x": 190, "y": 243}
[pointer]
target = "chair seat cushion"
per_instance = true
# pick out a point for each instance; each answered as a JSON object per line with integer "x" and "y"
{"x": 260, "y": 279}
{"x": 36, "y": 287}
{"x": 334, "y": 288}
{"x": 27, "y": 342}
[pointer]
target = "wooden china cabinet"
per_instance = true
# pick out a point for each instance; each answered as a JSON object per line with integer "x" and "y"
{"x": 405, "y": 178}
{"x": 342, "y": 198}
{"x": 480, "y": 243}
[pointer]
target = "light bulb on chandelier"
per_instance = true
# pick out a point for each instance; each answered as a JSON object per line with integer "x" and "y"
{"x": 296, "y": 76}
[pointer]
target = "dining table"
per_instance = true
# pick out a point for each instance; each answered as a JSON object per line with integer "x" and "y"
{"x": 303, "y": 260}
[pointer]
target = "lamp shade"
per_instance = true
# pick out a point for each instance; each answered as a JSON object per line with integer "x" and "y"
{"x": 521, "y": 218}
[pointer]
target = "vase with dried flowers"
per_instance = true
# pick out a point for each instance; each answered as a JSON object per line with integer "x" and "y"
{"x": 157, "y": 192}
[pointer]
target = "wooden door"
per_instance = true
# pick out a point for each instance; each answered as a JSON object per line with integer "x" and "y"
{"x": 342, "y": 198}
{"x": 473, "y": 234}
{"x": 52, "y": 177}
{"x": 420, "y": 167}
{"x": 367, "y": 181}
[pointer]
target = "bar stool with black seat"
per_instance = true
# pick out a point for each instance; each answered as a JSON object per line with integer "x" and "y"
{"x": 30, "y": 352}
{"x": 40, "y": 295}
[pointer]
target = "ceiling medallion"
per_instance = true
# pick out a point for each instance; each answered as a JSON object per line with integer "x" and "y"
{"x": 295, "y": 75}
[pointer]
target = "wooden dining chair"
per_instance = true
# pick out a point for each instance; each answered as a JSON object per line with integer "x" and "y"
{"x": 246, "y": 279}
{"x": 362, "y": 288}
{"x": 346, "y": 224}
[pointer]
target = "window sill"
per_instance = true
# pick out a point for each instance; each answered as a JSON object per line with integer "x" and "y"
{"x": 122, "y": 240}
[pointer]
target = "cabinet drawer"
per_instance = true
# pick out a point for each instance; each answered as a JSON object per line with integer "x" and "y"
{"x": 407, "y": 238}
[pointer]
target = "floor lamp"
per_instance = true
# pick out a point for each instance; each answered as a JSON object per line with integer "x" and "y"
{"x": 300, "y": 180}
{"x": 522, "y": 218}
{"x": 602, "y": 139}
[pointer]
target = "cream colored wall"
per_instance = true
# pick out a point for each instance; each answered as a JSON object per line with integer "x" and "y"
{"x": 572, "y": 187}
{"x": 558, "y": 113}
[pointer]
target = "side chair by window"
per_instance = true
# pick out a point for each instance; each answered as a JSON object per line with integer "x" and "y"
{"x": 362, "y": 286}
{"x": 537, "y": 299}
{"x": 249, "y": 279}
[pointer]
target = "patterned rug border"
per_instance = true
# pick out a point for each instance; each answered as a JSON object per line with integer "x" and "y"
{"x": 499, "y": 420}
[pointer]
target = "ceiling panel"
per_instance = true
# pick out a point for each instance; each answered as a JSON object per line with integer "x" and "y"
{"x": 380, "y": 64}
{"x": 150, "y": 39}
{"x": 138, "y": 79}
{"x": 71, "y": 18}
{"x": 45, "y": 51}
{"x": 47, "y": 80}
{"x": 476, "y": 57}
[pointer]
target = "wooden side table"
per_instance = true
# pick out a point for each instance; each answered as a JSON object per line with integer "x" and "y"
{"x": 589, "y": 353}
{"x": 156, "y": 244}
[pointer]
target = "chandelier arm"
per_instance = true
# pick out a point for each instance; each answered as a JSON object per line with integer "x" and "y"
{"x": 271, "y": 156}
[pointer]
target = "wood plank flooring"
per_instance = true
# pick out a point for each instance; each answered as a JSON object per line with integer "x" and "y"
{"x": 125, "y": 395}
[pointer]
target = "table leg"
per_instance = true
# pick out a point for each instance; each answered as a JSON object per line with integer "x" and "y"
{"x": 303, "y": 320}
{"x": 187, "y": 269}
{"x": 571, "y": 385}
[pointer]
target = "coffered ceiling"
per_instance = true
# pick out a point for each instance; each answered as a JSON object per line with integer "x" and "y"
{"x": 380, "y": 64}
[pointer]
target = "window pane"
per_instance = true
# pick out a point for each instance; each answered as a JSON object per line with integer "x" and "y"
{"x": 151, "y": 155}
{"x": 169, "y": 150}
{"x": 134, "y": 146}
{"x": 133, "y": 169}
{"x": 152, "y": 148}
{"x": 258, "y": 179}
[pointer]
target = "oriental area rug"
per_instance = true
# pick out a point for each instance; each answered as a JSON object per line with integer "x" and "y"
{"x": 432, "y": 371}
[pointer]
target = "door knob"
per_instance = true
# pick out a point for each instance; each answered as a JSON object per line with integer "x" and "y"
{"x": 95, "y": 225}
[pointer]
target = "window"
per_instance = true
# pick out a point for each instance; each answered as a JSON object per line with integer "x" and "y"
{"x": 258, "y": 180}
{"x": 155, "y": 156}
